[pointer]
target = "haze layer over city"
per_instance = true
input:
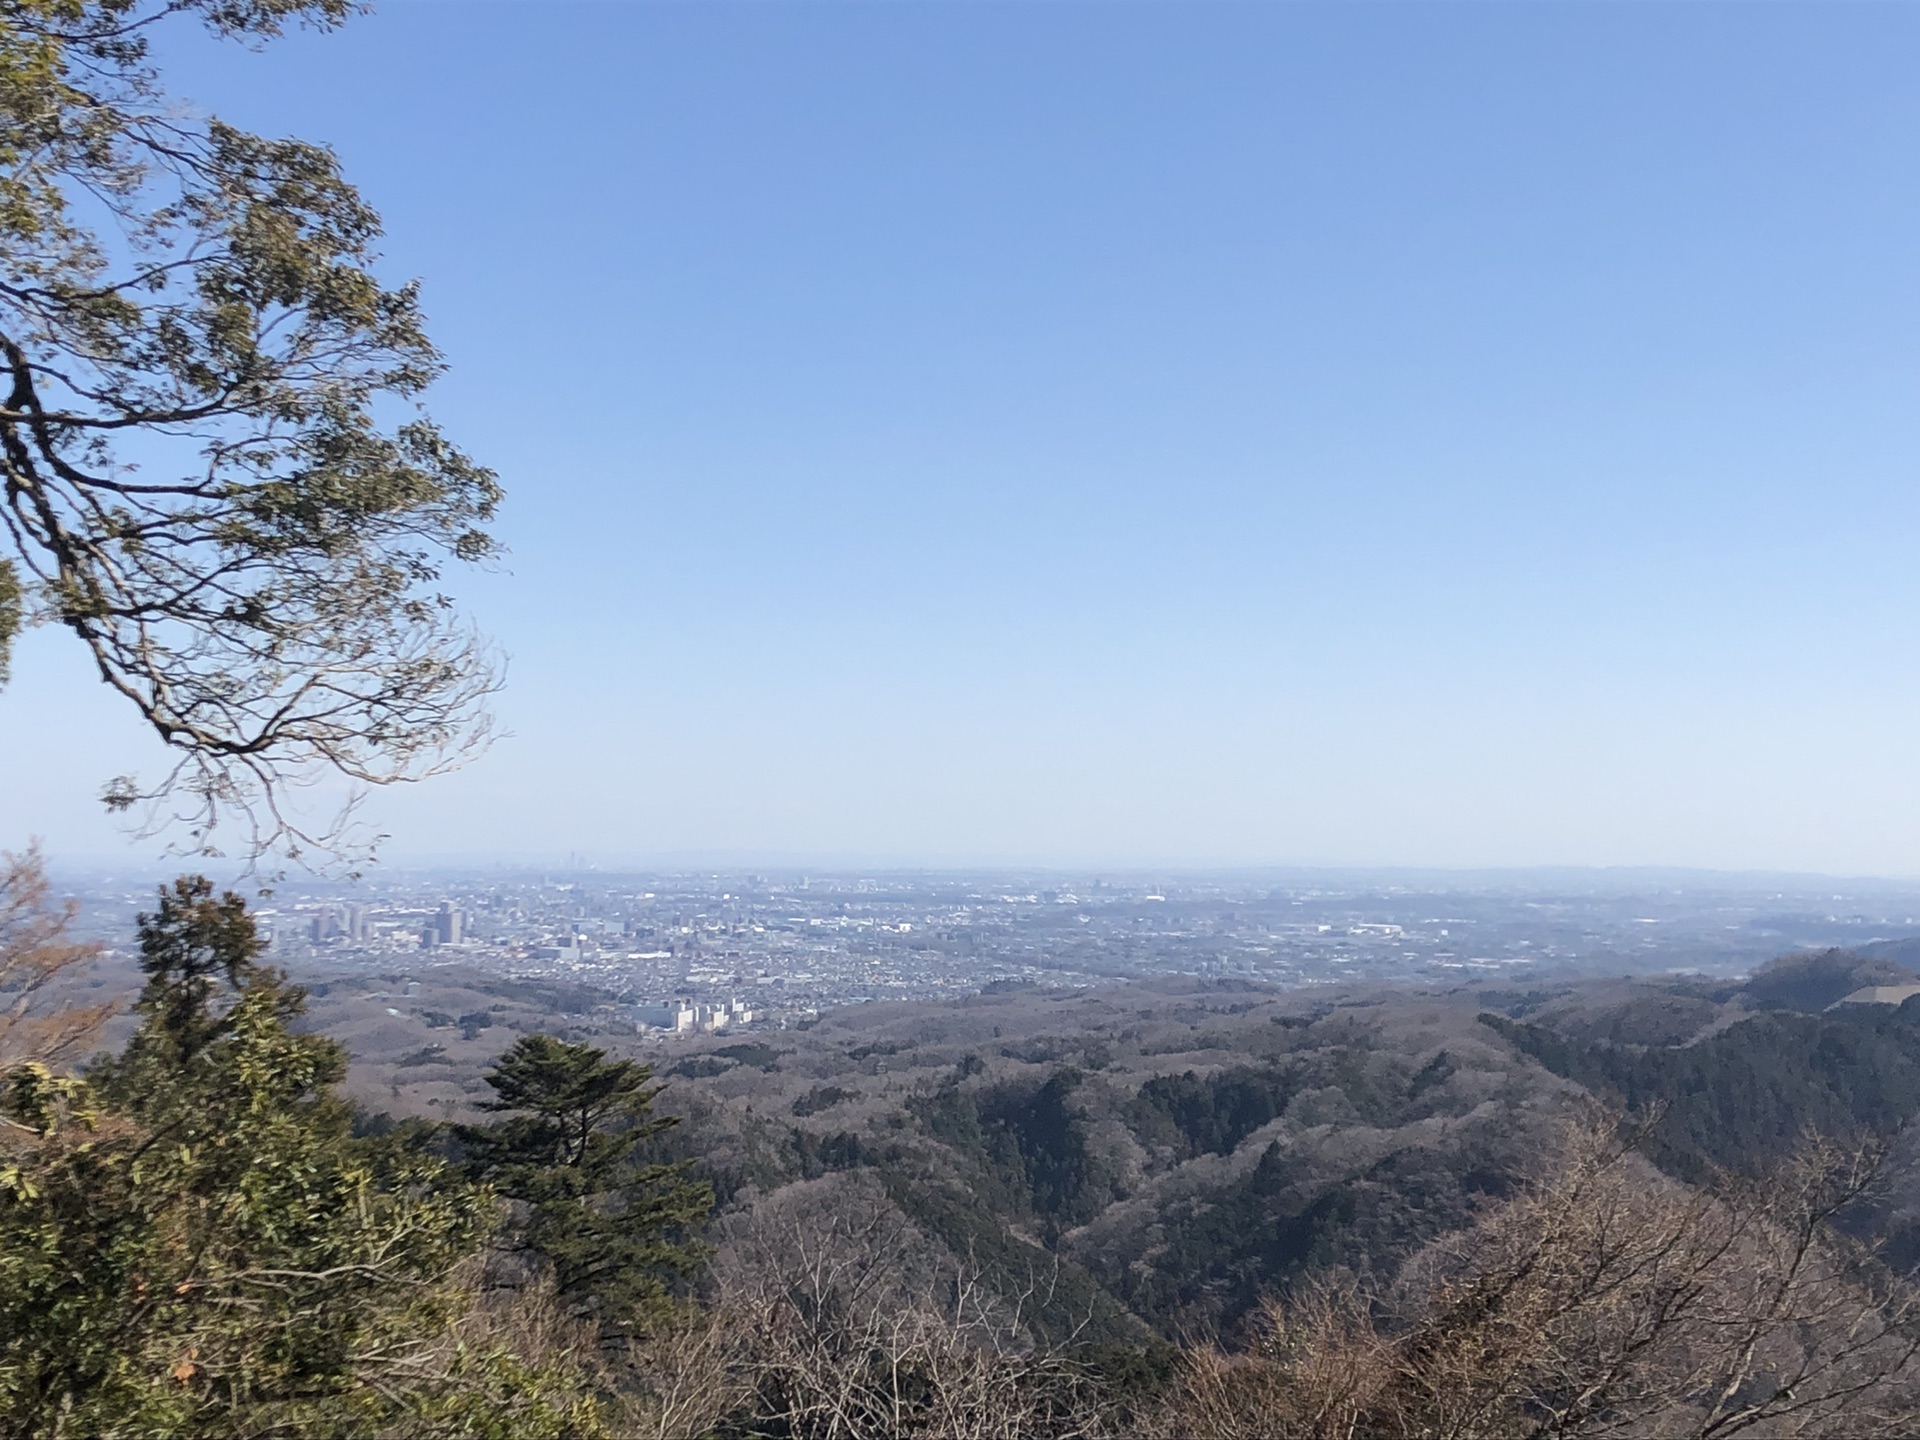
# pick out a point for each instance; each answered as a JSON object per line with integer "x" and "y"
{"x": 1490, "y": 447}
{"x": 679, "y": 952}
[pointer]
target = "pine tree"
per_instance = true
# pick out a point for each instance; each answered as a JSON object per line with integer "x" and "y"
{"x": 614, "y": 1229}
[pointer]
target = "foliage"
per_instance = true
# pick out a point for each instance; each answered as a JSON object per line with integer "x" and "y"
{"x": 821, "y": 1097}
{"x": 201, "y": 481}
{"x": 1062, "y": 1302}
{"x": 615, "y": 1231}
{"x": 1211, "y": 1116}
{"x": 753, "y": 1054}
{"x": 1744, "y": 1097}
{"x": 1030, "y": 1141}
{"x": 11, "y": 614}
{"x": 1265, "y": 1231}
{"x": 815, "y": 1155}
{"x": 195, "y": 946}
{"x": 193, "y": 1242}
{"x": 473, "y": 1022}
{"x": 700, "y": 1067}
{"x": 1813, "y": 982}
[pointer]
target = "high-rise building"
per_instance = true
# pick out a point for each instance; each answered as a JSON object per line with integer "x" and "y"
{"x": 447, "y": 924}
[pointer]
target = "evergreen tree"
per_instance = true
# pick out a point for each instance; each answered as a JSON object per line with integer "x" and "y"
{"x": 615, "y": 1230}
{"x": 194, "y": 948}
{"x": 193, "y": 1243}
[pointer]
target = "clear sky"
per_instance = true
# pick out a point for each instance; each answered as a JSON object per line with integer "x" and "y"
{"x": 1446, "y": 434}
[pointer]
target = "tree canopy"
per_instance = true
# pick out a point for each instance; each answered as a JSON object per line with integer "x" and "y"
{"x": 193, "y": 1242}
{"x": 207, "y": 479}
{"x": 613, "y": 1229}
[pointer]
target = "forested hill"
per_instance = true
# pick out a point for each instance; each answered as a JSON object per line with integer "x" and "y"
{"x": 1788, "y": 1058}
{"x": 1744, "y": 1097}
{"x": 1166, "y": 1153}
{"x": 1065, "y": 1200}
{"x": 1784, "y": 1054}
{"x": 1169, "y": 1153}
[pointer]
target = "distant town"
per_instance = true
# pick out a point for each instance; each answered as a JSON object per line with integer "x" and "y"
{"x": 705, "y": 952}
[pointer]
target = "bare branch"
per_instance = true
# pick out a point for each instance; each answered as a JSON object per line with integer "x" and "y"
{"x": 37, "y": 1022}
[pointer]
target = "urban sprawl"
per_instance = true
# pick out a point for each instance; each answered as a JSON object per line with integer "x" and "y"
{"x": 722, "y": 952}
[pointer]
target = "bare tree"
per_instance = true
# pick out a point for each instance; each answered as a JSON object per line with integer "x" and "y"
{"x": 1605, "y": 1301}
{"x": 203, "y": 483}
{"x": 833, "y": 1317}
{"x": 37, "y": 1021}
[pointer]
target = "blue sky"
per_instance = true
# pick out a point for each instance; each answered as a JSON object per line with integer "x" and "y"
{"x": 1442, "y": 434}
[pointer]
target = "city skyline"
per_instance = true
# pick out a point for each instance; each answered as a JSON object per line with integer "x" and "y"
{"x": 662, "y": 955}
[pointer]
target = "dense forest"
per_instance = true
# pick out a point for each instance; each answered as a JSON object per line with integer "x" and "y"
{"x": 1745, "y": 1097}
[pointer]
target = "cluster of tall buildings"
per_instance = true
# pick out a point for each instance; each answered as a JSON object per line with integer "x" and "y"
{"x": 444, "y": 927}
{"x": 352, "y": 924}
{"x": 339, "y": 922}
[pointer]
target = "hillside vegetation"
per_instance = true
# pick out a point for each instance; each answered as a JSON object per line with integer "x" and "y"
{"x": 1190, "y": 1147}
{"x": 1179, "y": 1208}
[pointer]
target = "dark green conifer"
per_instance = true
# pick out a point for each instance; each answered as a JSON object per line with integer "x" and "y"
{"x": 615, "y": 1229}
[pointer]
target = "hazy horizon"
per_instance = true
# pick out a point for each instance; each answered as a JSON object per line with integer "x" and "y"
{"x": 786, "y": 868}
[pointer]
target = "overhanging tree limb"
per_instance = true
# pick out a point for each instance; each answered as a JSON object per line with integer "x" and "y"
{"x": 201, "y": 483}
